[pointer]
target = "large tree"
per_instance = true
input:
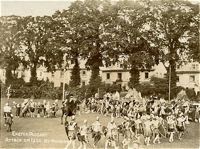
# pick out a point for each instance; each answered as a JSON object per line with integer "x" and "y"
{"x": 70, "y": 34}
{"x": 94, "y": 16}
{"x": 38, "y": 46}
{"x": 194, "y": 42}
{"x": 9, "y": 45}
{"x": 132, "y": 43}
{"x": 170, "y": 30}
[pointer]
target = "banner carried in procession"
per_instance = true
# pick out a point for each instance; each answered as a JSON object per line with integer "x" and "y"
{"x": 133, "y": 94}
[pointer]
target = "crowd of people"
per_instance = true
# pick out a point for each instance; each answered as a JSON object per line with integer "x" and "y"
{"x": 129, "y": 108}
{"x": 30, "y": 108}
{"x": 150, "y": 117}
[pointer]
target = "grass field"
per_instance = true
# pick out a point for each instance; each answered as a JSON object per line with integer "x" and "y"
{"x": 52, "y": 134}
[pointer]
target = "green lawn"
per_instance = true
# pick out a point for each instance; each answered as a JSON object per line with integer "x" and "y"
{"x": 54, "y": 133}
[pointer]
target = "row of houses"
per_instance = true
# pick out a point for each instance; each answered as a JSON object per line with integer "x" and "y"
{"x": 188, "y": 75}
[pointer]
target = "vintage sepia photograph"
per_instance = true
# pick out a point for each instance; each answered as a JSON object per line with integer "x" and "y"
{"x": 100, "y": 74}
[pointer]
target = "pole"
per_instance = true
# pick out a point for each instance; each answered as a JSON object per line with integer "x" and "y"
{"x": 8, "y": 92}
{"x": 64, "y": 78}
{"x": 169, "y": 82}
{"x": 64, "y": 87}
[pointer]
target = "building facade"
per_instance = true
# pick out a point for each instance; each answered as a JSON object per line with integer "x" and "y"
{"x": 189, "y": 76}
{"x": 109, "y": 75}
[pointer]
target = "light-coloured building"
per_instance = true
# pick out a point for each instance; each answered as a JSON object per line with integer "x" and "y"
{"x": 3, "y": 75}
{"x": 26, "y": 74}
{"x": 117, "y": 74}
{"x": 109, "y": 75}
{"x": 189, "y": 76}
{"x": 59, "y": 76}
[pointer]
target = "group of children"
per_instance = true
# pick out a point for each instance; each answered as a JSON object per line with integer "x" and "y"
{"x": 153, "y": 119}
{"x": 150, "y": 118}
{"x": 151, "y": 127}
{"x": 126, "y": 108}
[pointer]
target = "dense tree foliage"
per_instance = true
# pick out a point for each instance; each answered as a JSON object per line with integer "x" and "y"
{"x": 9, "y": 45}
{"x": 132, "y": 39}
{"x": 171, "y": 27}
{"x": 37, "y": 45}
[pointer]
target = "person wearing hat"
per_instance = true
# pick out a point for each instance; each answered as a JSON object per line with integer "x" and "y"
{"x": 39, "y": 109}
{"x": 83, "y": 138}
{"x": 97, "y": 128}
{"x": 138, "y": 123}
{"x": 155, "y": 130}
{"x": 180, "y": 125}
{"x": 70, "y": 129}
{"x": 111, "y": 134}
{"x": 44, "y": 107}
{"x": 147, "y": 130}
{"x": 7, "y": 109}
{"x": 171, "y": 127}
{"x": 32, "y": 108}
{"x": 9, "y": 122}
{"x": 18, "y": 110}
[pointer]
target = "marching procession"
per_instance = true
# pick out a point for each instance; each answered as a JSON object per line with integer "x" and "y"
{"x": 152, "y": 118}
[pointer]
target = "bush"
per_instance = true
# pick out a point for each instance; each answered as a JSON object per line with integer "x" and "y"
{"x": 158, "y": 87}
{"x": 191, "y": 94}
{"x": 146, "y": 89}
{"x": 40, "y": 89}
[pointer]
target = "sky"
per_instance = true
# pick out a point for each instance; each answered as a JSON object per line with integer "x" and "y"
{"x": 34, "y": 8}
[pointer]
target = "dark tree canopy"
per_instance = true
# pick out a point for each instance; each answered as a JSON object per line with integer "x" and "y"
{"x": 171, "y": 27}
{"x": 37, "y": 45}
{"x": 9, "y": 45}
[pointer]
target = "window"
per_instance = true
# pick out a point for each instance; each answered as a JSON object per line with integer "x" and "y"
{"x": 72, "y": 61}
{"x": 193, "y": 66}
{"x": 197, "y": 66}
{"x": 192, "y": 78}
{"x": 83, "y": 83}
{"x": 146, "y": 75}
{"x": 178, "y": 79}
{"x": 121, "y": 65}
{"x": 40, "y": 73}
{"x": 61, "y": 73}
{"x": 84, "y": 73}
{"x": 120, "y": 76}
{"x": 52, "y": 74}
{"x": 108, "y": 76}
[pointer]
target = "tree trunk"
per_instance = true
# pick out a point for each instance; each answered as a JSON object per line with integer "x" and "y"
{"x": 9, "y": 76}
{"x": 135, "y": 77}
{"x": 33, "y": 78}
{"x": 75, "y": 74}
{"x": 95, "y": 80}
{"x": 173, "y": 78}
